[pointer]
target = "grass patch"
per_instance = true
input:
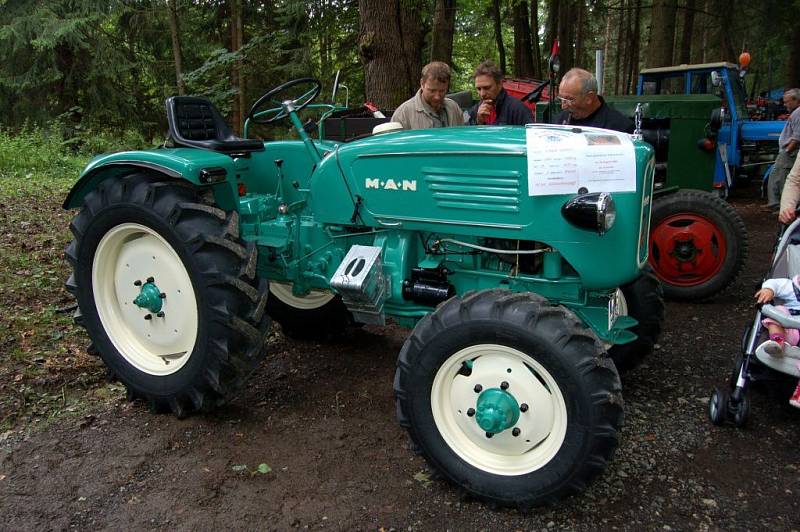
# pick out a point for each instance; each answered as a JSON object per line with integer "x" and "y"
{"x": 44, "y": 367}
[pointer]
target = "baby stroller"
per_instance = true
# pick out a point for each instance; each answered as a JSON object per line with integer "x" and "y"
{"x": 755, "y": 363}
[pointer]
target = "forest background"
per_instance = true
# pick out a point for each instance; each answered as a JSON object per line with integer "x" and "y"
{"x": 94, "y": 70}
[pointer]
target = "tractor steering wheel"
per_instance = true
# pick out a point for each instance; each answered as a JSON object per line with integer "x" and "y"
{"x": 285, "y": 106}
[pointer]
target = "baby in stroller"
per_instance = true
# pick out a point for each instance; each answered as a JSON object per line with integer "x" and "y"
{"x": 782, "y": 341}
{"x": 774, "y": 356}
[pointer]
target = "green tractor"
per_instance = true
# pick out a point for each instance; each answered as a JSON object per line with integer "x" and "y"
{"x": 523, "y": 305}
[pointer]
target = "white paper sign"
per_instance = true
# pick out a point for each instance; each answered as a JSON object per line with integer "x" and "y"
{"x": 561, "y": 161}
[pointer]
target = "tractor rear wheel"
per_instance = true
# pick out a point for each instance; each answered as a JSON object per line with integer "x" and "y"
{"x": 644, "y": 301}
{"x": 698, "y": 244}
{"x": 509, "y": 397}
{"x": 318, "y": 315}
{"x": 167, "y": 292}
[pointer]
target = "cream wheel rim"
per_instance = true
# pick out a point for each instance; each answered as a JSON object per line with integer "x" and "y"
{"x": 542, "y": 426}
{"x": 313, "y": 300}
{"x": 126, "y": 257}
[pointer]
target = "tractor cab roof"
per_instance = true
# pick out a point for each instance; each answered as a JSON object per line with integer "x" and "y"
{"x": 684, "y": 68}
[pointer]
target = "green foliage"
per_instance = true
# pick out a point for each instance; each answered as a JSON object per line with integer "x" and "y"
{"x": 37, "y": 153}
{"x": 108, "y": 65}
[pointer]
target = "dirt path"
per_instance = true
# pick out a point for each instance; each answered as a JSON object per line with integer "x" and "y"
{"x": 321, "y": 417}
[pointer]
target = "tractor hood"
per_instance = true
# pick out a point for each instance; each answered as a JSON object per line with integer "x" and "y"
{"x": 474, "y": 181}
{"x": 762, "y": 130}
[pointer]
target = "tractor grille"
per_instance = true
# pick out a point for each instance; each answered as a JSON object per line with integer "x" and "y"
{"x": 474, "y": 190}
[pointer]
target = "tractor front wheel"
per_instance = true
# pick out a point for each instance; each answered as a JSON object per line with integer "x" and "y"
{"x": 167, "y": 292}
{"x": 698, "y": 244}
{"x": 644, "y": 301}
{"x": 509, "y": 397}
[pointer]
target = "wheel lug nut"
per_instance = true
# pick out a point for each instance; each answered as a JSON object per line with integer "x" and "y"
{"x": 162, "y": 295}
{"x": 160, "y": 314}
{"x": 478, "y": 388}
{"x": 137, "y": 282}
{"x": 504, "y": 385}
{"x": 489, "y": 434}
{"x": 523, "y": 407}
{"x": 471, "y": 412}
{"x": 150, "y": 280}
{"x": 148, "y": 316}
{"x": 516, "y": 431}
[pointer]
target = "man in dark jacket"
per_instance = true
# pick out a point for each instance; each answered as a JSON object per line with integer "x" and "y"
{"x": 496, "y": 107}
{"x": 582, "y": 106}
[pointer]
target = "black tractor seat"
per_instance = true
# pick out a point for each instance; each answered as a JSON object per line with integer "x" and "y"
{"x": 194, "y": 122}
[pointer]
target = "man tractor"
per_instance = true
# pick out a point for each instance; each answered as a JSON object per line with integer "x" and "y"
{"x": 516, "y": 255}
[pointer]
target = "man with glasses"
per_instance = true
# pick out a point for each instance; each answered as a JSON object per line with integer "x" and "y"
{"x": 582, "y": 106}
{"x": 429, "y": 108}
{"x": 495, "y": 107}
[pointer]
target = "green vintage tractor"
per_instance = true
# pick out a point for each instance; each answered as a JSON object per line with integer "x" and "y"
{"x": 182, "y": 254}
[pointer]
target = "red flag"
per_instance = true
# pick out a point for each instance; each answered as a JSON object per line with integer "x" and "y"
{"x": 554, "y": 50}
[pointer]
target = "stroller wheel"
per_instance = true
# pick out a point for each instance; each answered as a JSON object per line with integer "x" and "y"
{"x": 741, "y": 411}
{"x": 718, "y": 406}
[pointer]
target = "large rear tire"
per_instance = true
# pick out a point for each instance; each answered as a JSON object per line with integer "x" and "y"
{"x": 167, "y": 292}
{"x": 698, "y": 244}
{"x": 644, "y": 300}
{"x": 509, "y": 397}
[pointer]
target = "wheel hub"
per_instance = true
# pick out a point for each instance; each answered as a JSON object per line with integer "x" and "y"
{"x": 496, "y": 411}
{"x": 687, "y": 249}
{"x": 521, "y": 423}
{"x": 150, "y": 297}
{"x": 132, "y": 308}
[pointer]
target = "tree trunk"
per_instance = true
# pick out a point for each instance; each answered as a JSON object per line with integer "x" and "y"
{"x": 633, "y": 67}
{"x": 662, "y": 33}
{"x": 606, "y": 58}
{"x": 580, "y": 32}
{"x": 235, "y": 27}
{"x": 628, "y": 43}
{"x": 444, "y": 21}
{"x": 172, "y": 9}
{"x": 620, "y": 48}
{"x": 523, "y": 58}
{"x": 323, "y": 38}
{"x": 537, "y": 52}
{"x": 566, "y": 44}
{"x": 685, "y": 55}
{"x": 723, "y": 46}
{"x": 551, "y": 31}
{"x": 700, "y": 33}
{"x": 390, "y": 48}
{"x": 498, "y": 34}
{"x": 240, "y": 67}
{"x": 793, "y": 68}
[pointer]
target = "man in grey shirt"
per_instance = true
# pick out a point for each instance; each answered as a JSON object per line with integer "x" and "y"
{"x": 788, "y": 143}
{"x": 429, "y": 108}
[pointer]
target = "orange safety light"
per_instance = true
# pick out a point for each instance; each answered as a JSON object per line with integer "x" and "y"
{"x": 744, "y": 59}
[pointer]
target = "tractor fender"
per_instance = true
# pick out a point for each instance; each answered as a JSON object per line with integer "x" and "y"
{"x": 203, "y": 168}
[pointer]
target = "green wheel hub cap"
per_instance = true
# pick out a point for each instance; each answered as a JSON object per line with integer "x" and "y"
{"x": 496, "y": 411}
{"x": 149, "y": 298}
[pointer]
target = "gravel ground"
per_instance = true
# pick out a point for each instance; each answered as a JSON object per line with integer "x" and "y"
{"x": 322, "y": 418}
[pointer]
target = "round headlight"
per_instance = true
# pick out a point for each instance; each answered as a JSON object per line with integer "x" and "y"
{"x": 594, "y": 211}
{"x": 606, "y": 212}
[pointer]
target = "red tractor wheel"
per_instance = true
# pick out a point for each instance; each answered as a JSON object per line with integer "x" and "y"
{"x": 698, "y": 244}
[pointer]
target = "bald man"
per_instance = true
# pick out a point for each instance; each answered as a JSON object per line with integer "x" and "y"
{"x": 582, "y": 106}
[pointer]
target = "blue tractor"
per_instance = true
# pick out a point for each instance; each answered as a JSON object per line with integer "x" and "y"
{"x": 743, "y": 146}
